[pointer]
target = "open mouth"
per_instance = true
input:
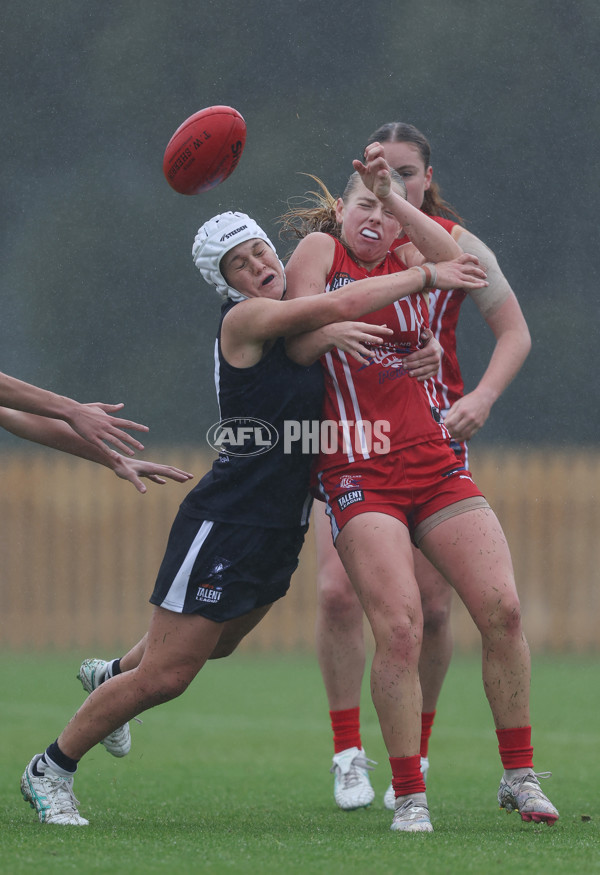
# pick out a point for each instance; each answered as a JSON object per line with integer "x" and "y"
{"x": 369, "y": 234}
{"x": 268, "y": 279}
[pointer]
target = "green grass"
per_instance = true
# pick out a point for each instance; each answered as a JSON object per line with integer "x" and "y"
{"x": 234, "y": 777}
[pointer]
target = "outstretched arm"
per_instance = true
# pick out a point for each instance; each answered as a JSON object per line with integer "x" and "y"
{"x": 463, "y": 272}
{"x": 248, "y": 325}
{"x": 93, "y": 422}
{"x": 430, "y": 242}
{"x": 58, "y": 435}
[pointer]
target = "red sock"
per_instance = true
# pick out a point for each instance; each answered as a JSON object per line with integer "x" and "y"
{"x": 515, "y": 747}
{"x": 406, "y": 775}
{"x": 426, "y": 727}
{"x": 346, "y": 729}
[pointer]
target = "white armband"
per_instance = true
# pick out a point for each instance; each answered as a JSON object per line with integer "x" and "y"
{"x": 496, "y": 293}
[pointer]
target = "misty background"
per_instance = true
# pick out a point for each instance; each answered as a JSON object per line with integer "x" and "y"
{"x": 100, "y": 298}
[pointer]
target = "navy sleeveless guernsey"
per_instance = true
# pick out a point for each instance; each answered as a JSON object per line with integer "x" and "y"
{"x": 270, "y": 489}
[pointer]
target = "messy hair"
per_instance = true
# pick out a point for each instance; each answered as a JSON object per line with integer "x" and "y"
{"x": 315, "y": 211}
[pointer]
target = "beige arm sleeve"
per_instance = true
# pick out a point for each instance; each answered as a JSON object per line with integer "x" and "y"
{"x": 495, "y": 294}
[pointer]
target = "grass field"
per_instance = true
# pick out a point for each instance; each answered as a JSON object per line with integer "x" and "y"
{"x": 234, "y": 777}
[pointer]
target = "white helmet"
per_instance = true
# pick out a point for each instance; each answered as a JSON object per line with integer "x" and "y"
{"x": 215, "y": 238}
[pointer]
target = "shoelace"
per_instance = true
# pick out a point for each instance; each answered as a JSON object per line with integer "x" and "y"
{"x": 531, "y": 778}
{"x": 64, "y": 787}
{"x": 418, "y": 810}
{"x": 352, "y": 776}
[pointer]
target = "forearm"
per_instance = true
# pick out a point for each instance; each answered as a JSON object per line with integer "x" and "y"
{"x": 430, "y": 238}
{"x": 373, "y": 293}
{"x": 306, "y": 349}
{"x": 510, "y": 352}
{"x": 31, "y": 399}
{"x": 52, "y": 433}
{"x": 513, "y": 343}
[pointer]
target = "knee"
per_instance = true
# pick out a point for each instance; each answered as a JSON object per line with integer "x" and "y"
{"x": 399, "y": 639}
{"x": 336, "y": 596}
{"x": 436, "y": 612}
{"x": 162, "y": 686}
{"x": 503, "y": 620}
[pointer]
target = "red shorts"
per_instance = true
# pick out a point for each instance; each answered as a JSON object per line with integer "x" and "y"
{"x": 410, "y": 485}
{"x": 461, "y": 451}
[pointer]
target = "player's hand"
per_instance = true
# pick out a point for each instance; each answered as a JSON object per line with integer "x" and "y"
{"x": 134, "y": 469}
{"x": 375, "y": 172}
{"x": 357, "y": 338}
{"x": 463, "y": 272}
{"x": 425, "y": 362}
{"x": 95, "y": 424}
{"x": 467, "y": 415}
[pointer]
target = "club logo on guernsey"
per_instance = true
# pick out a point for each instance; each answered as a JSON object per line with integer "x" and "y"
{"x": 389, "y": 356}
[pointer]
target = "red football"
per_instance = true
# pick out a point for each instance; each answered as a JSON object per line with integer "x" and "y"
{"x": 205, "y": 149}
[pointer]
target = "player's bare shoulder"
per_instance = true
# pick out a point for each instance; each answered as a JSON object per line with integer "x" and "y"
{"x": 309, "y": 264}
{"x": 472, "y": 244}
{"x": 498, "y": 290}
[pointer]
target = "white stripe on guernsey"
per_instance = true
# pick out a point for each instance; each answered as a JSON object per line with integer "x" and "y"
{"x": 358, "y": 417}
{"x": 175, "y": 598}
{"x": 429, "y": 385}
{"x": 416, "y": 320}
{"x": 341, "y": 405}
{"x": 217, "y": 375}
{"x": 401, "y": 318}
{"x": 415, "y": 307}
{"x": 439, "y": 317}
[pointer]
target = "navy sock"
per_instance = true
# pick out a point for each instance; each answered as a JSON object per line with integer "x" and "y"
{"x": 55, "y": 756}
{"x": 113, "y": 668}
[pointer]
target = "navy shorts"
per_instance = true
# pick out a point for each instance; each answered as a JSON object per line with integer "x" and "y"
{"x": 224, "y": 570}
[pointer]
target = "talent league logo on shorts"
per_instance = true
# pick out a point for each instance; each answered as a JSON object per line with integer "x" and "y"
{"x": 242, "y": 436}
{"x": 210, "y": 594}
{"x": 349, "y": 498}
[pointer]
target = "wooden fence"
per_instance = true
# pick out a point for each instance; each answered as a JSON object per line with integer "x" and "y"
{"x": 79, "y": 551}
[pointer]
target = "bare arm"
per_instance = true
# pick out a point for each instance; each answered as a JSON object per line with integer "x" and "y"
{"x": 58, "y": 435}
{"x": 500, "y": 308}
{"x": 352, "y": 337}
{"x": 92, "y": 421}
{"x": 251, "y": 323}
{"x": 513, "y": 343}
{"x": 430, "y": 242}
{"x": 304, "y": 280}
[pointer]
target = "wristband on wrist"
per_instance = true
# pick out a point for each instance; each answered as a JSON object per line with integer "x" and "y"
{"x": 431, "y": 280}
{"x": 423, "y": 274}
